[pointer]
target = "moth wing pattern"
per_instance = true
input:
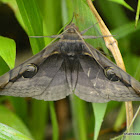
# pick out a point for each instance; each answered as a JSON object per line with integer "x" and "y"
{"x": 48, "y": 84}
{"x": 85, "y": 87}
{"x": 99, "y": 87}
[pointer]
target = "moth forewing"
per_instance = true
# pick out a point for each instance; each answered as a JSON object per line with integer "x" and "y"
{"x": 123, "y": 76}
{"x": 17, "y": 72}
{"x": 128, "y": 81}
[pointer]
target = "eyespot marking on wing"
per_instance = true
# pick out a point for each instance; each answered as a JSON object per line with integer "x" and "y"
{"x": 110, "y": 74}
{"x": 31, "y": 71}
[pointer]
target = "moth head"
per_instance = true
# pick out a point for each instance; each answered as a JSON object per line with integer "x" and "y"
{"x": 110, "y": 74}
{"x": 30, "y": 71}
{"x": 71, "y": 28}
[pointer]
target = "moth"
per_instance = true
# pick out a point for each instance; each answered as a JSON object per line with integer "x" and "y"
{"x": 70, "y": 65}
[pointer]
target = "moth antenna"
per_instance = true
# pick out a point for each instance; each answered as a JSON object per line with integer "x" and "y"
{"x": 53, "y": 36}
{"x": 82, "y": 32}
{"x": 94, "y": 37}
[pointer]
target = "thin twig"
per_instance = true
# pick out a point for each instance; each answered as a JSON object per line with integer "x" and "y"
{"x": 112, "y": 45}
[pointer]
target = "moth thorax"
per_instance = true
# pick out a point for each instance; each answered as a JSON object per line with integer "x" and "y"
{"x": 71, "y": 49}
{"x": 71, "y": 36}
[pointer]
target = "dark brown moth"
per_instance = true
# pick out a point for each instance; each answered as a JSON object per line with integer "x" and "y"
{"x": 70, "y": 65}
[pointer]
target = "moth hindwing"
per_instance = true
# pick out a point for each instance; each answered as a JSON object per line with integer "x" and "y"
{"x": 66, "y": 66}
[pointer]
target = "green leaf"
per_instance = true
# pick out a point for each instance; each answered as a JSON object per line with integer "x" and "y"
{"x": 54, "y": 121}
{"x": 122, "y": 2}
{"x": 20, "y": 106}
{"x": 86, "y": 17}
{"x": 67, "y": 10}
{"x": 117, "y": 17}
{"x": 33, "y": 22}
{"x": 8, "y": 133}
{"x": 125, "y": 30}
{"x": 3, "y": 66}
{"x": 137, "y": 13}
{"x": 112, "y": 105}
{"x": 51, "y": 14}
{"x": 39, "y": 111}
{"x": 8, "y": 51}
{"x": 120, "y": 119}
{"x": 99, "y": 112}
{"x": 79, "y": 119}
{"x": 137, "y": 75}
{"x": 10, "y": 119}
{"x": 137, "y": 121}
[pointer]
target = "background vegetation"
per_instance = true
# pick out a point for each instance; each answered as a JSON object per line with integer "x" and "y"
{"x": 72, "y": 118}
